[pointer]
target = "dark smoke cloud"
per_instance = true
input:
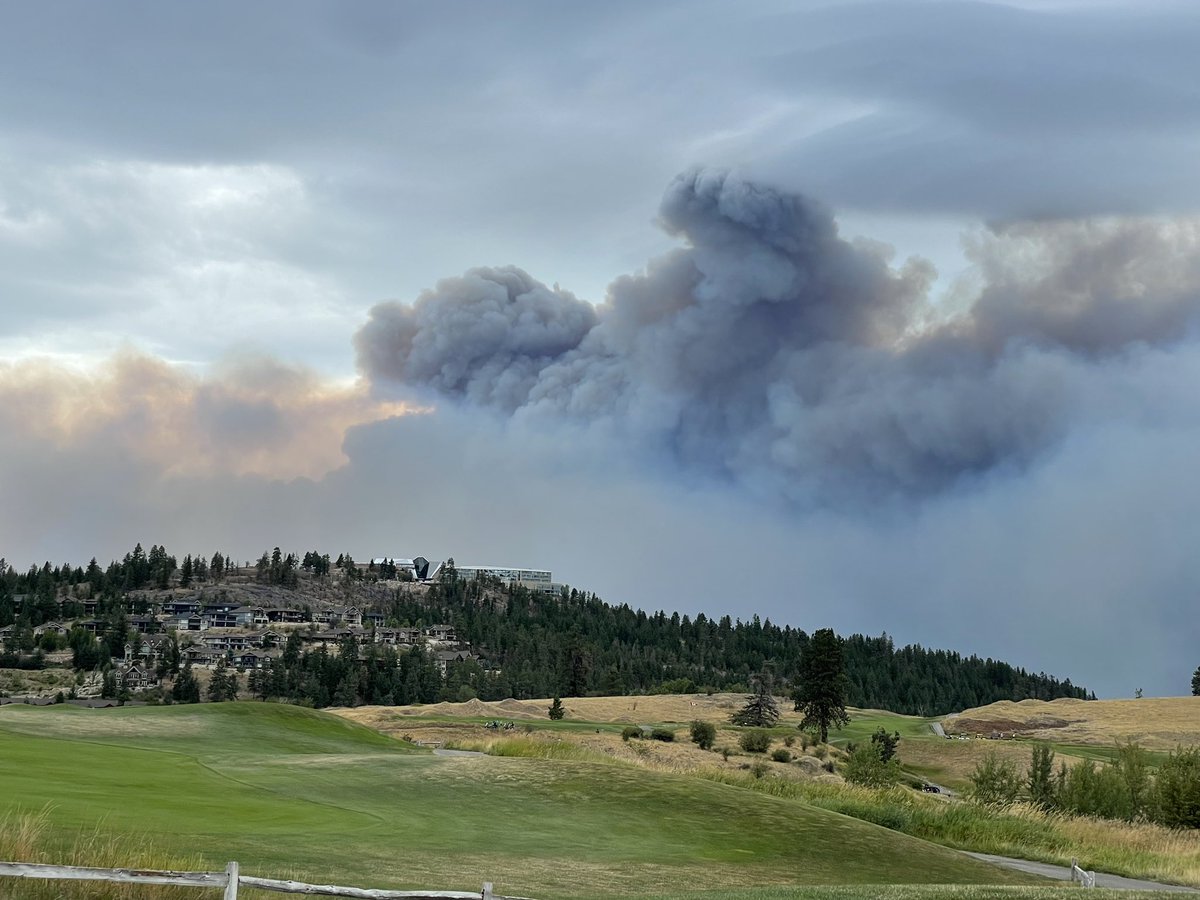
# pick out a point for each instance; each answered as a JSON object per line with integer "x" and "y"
{"x": 771, "y": 351}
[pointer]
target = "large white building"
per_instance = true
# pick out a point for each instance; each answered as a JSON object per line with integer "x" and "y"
{"x": 534, "y": 578}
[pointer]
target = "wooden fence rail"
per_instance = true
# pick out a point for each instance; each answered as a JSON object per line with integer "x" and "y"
{"x": 230, "y": 880}
{"x": 1087, "y": 879}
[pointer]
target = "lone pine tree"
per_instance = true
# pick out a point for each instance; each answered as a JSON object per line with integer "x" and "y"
{"x": 821, "y": 688}
{"x": 761, "y": 710}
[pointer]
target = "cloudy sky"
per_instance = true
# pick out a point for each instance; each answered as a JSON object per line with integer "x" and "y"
{"x": 879, "y": 316}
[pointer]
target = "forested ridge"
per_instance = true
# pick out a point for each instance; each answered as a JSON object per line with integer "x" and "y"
{"x": 523, "y": 643}
{"x": 573, "y": 643}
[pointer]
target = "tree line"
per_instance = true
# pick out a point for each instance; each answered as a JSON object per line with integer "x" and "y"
{"x": 572, "y": 643}
{"x": 533, "y": 644}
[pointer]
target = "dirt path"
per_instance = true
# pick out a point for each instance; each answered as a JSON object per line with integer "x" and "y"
{"x": 1063, "y": 873}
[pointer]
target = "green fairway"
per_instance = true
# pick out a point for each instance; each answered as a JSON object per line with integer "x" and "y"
{"x": 288, "y": 791}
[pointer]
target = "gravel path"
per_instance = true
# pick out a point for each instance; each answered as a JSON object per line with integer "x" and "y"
{"x": 1063, "y": 873}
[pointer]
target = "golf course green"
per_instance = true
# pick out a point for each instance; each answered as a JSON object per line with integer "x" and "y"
{"x": 292, "y": 792}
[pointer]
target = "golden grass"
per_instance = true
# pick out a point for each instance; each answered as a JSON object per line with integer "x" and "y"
{"x": 28, "y": 838}
{"x": 1161, "y": 854}
{"x": 678, "y": 708}
{"x": 951, "y": 763}
{"x": 1156, "y": 723}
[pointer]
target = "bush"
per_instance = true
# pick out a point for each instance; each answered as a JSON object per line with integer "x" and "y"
{"x": 886, "y": 742}
{"x": 782, "y": 755}
{"x": 995, "y": 782}
{"x": 630, "y": 731}
{"x": 867, "y": 766}
{"x": 663, "y": 734}
{"x": 676, "y": 686}
{"x": 1177, "y": 790}
{"x": 757, "y": 740}
{"x": 759, "y": 769}
{"x": 789, "y": 741}
{"x": 703, "y": 734}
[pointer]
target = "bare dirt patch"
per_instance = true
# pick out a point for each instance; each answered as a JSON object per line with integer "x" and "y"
{"x": 1158, "y": 723}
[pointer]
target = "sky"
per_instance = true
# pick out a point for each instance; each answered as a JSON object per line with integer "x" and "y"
{"x": 879, "y": 316}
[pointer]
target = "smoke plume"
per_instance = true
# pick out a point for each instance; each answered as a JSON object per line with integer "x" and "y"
{"x": 771, "y": 351}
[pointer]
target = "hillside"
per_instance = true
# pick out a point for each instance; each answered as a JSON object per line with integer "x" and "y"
{"x": 420, "y": 642}
{"x": 1159, "y": 723}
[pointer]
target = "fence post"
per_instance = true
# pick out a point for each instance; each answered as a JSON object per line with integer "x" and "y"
{"x": 231, "y": 872}
{"x": 487, "y": 890}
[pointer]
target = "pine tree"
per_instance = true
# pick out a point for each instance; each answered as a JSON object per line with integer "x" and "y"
{"x": 1041, "y": 776}
{"x": 761, "y": 710}
{"x": 821, "y": 688}
{"x": 556, "y": 709}
{"x": 1196, "y": 682}
{"x": 186, "y": 689}
{"x": 224, "y": 684}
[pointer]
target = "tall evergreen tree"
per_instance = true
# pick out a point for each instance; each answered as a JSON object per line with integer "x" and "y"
{"x": 1196, "y": 682}
{"x": 186, "y": 689}
{"x": 821, "y": 687}
{"x": 1040, "y": 783}
{"x": 224, "y": 684}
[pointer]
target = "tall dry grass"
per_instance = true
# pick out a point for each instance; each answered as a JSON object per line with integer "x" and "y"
{"x": 28, "y": 838}
{"x": 529, "y": 748}
{"x": 1136, "y": 850}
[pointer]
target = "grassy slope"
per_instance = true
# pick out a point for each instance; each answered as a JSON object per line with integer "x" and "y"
{"x": 1137, "y": 850}
{"x": 291, "y": 791}
{"x": 1156, "y": 723}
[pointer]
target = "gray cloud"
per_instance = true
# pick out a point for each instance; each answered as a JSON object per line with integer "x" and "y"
{"x": 423, "y": 139}
{"x": 774, "y": 352}
{"x": 187, "y": 178}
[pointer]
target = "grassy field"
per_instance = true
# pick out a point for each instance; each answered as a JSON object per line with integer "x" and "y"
{"x": 1138, "y": 850}
{"x": 293, "y": 792}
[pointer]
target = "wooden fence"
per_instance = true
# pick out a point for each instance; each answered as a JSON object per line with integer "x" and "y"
{"x": 230, "y": 880}
{"x": 1087, "y": 879}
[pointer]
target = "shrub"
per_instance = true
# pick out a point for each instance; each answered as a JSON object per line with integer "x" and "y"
{"x": 663, "y": 734}
{"x": 704, "y": 734}
{"x": 886, "y": 742}
{"x": 789, "y": 741}
{"x": 1177, "y": 790}
{"x": 630, "y": 731}
{"x": 868, "y": 767}
{"x": 995, "y": 782}
{"x": 677, "y": 686}
{"x": 782, "y": 755}
{"x": 725, "y": 751}
{"x": 756, "y": 740}
{"x": 759, "y": 769}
